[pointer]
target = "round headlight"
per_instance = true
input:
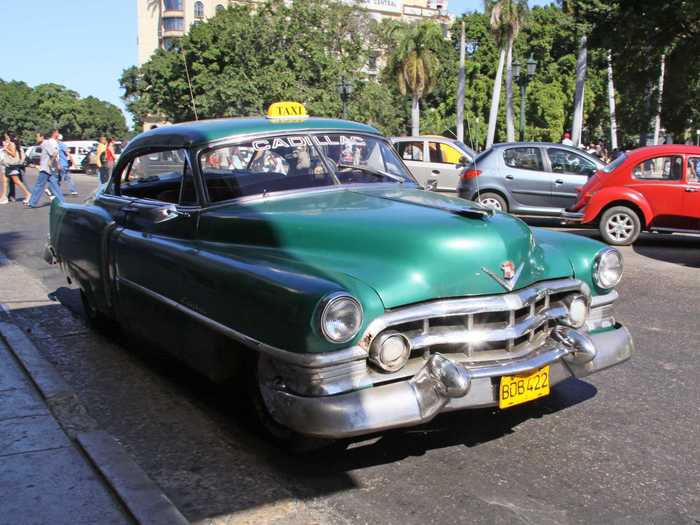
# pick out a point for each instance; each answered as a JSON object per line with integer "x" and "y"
{"x": 390, "y": 351}
{"x": 341, "y": 319}
{"x": 607, "y": 268}
{"x": 577, "y": 306}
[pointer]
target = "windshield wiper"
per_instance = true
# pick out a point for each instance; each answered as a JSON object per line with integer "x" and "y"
{"x": 372, "y": 171}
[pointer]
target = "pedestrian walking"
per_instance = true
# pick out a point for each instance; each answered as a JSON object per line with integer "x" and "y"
{"x": 101, "y": 159}
{"x": 110, "y": 157}
{"x": 64, "y": 157}
{"x": 11, "y": 158}
{"x": 16, "y": 172}
{"x": 49, "y": 168}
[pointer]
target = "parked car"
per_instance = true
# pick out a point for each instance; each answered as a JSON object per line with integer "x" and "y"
{"x": 318, "y": 272}
{"x": 32, "y": 156}
{"x": 79, "y": 149}
{"x": 437, "y": 162}
{"x": 528, "y": 178}
{"x": 654, "y": 188}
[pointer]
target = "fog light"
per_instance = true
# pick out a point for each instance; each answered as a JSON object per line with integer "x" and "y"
{"x": 577, "y": 306}
{"x": 390, "y": 351}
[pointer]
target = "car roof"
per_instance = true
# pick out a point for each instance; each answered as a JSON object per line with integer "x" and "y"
{"x": 422, "y": 137}
{"x": 189, "y": 134}
{"x": 664, "y": 149}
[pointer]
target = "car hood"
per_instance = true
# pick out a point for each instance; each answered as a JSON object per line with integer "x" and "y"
{"x": 409, "y": 245}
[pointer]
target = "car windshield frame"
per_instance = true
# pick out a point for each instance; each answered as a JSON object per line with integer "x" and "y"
{"x": 609, "y": 168}
{"x": 328, "y": 163}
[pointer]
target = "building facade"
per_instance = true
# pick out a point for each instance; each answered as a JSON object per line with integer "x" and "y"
{"x": 161, "y": 22}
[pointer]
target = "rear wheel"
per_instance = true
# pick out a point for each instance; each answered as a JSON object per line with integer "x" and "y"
{"x": 620, "y": 226}
{"x": 493, "y": 201}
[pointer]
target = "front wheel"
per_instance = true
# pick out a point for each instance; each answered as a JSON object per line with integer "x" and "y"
{"x": 493, "y": 201}
{"x": 620, "y": 226}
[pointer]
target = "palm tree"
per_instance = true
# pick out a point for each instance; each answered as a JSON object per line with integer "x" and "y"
{"x": 506, "y": 18}
{"x": 611, "y": 104}
{"x": 415, "y": 64}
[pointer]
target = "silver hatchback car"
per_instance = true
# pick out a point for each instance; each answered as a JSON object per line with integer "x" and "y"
{"x": 435, "y": 162}
{"x": 528, "y": 178}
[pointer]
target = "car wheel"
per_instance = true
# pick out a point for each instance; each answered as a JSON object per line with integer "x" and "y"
{"x": 95, "y": 319}
{"x": 260, "y": 379}
{"x": 493, "y": 201}
{"x": 620, "y": 226}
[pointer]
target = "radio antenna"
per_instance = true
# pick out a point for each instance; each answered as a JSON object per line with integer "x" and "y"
{"x": 189, "y": 83}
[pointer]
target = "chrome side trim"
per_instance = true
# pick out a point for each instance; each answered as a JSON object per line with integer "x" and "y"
{"x": 471, "y": 305}
{"x": 603, "y": 300}
{"x": 318, "y": 360}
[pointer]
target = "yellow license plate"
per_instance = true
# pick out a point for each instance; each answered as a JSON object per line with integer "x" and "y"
{"x": 514, "y": 390}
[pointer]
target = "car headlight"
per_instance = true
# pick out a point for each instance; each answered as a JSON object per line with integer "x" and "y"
{"x": 577, "y": 308}
{"x": 341, "y": 318}
{"x": 607, "y": 268}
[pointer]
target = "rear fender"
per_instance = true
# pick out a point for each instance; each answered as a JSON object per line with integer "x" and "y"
{"x": 618, "y": 196}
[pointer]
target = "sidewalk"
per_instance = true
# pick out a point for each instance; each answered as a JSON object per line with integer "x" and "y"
{"x": 56, "y": 465}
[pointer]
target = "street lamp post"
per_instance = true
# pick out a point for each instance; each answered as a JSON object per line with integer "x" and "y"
{"x": 344, "y": 90}
{"x": 523, "y": 81}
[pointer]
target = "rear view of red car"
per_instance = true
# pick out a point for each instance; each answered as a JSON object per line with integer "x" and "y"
{"x": 655, "y": 188}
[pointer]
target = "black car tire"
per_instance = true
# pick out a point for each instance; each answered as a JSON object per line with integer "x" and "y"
{"x": 278, "y": 434}
{"x": 493, "y": 200}
{"x": 620, "y": 226}
{"x": 95, "y": 319}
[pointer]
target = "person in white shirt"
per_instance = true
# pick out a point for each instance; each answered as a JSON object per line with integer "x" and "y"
{"x": 567, "y": 139}
{"x": 49, "y": 168}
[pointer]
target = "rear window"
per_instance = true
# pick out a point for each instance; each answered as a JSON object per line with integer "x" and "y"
{"x": 622, "y": 157}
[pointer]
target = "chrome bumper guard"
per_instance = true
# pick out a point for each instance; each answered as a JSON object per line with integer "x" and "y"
{"x": 443, "y": 385}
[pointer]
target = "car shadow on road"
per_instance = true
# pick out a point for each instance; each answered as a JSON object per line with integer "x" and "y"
{"x": 677, "y": 249}
{"x": 9, "y": 241}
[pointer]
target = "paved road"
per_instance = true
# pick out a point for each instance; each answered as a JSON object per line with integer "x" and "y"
{"x": 619, "y": 447}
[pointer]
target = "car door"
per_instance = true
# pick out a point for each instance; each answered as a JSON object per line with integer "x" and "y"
{"x": 659, "y": 178}
{"x": 413, "y": 154}
{"x": 153, "y": 242}
{"x": 570, "y": 171}
{"x": 443, "y": 165}
{"x": 691, "y": 197}
{"x": 525, "y": 177}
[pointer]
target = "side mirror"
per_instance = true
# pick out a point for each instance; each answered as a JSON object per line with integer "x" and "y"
{"x": 463, "y": 161}
{"x": 431, "y": 185}
{"x": 589, "y": 172}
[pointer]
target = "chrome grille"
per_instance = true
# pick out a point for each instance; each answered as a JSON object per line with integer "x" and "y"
{"x": 483, "y": 328}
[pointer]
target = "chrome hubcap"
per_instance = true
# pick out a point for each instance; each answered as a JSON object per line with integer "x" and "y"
{"x": 492, "y": 203}
{"x": 620, "y": 227}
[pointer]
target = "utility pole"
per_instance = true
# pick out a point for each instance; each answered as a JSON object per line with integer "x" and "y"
{"x": 611, "y": 104}
{"x": 460, "y": 89}
{"x": 657, "y": 118}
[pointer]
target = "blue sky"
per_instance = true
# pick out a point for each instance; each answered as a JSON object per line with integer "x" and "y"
{"x": 86, "y": 44}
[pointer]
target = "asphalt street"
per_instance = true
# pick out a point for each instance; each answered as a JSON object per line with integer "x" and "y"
{"x": 618, "y": 447}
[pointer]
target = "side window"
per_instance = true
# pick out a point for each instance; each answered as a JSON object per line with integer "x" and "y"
{"x": 565, "y": 161}
{"x": 694, "y": 169}
{"x": 659, "y": 168}
{"x": 443, "y": 153}
{"x": 523, "y": 158}
{"x": 410, "y": 150}
{"x": 160, "y": 175}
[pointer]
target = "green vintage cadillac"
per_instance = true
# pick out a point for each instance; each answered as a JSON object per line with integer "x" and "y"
{"x": 302, "y": 252}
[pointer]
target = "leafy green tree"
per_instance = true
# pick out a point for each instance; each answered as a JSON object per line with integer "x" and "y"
{"x": 415, "y": 65}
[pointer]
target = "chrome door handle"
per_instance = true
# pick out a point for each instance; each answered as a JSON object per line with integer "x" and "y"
{"x": 435, "y": 172}
{"x": 691, "y": 190}
{"x": 510, "y": 177}
{"x": 559, "y": 181}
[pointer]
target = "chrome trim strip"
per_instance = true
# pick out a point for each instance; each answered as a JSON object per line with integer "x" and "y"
{"x": 604, "y": 300}
{"x": 318, "y": 360}
{"x": 471, "y": 305}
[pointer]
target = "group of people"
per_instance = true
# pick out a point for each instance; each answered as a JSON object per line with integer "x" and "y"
{"x": 55, "y": 162}
{"x": 596, "y": 149}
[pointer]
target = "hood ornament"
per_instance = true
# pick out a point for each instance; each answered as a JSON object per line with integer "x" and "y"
{"x": 510, "y": 274}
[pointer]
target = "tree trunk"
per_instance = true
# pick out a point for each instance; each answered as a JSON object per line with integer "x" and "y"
{"x": 510, "y": 114}
{"x": 657, "y": 119}
{"x": 611, "y": 104}
{"x": 495, "y": 99}
{"x": 460, "y": 89}
{"x": 581, "y": 63}
{"x": 415, "y": 116}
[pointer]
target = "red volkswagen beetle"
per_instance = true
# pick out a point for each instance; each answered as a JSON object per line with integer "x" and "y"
{"x": 654, "y": 188}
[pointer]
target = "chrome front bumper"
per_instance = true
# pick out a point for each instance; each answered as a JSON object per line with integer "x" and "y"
{"x": 572, "y": 216}
{"x": 443, "y": 385}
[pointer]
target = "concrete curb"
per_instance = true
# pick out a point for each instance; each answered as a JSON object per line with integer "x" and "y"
{"x": 142, "y": 498}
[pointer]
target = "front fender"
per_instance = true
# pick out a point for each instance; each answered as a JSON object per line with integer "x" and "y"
{"x": 616, "y": 194}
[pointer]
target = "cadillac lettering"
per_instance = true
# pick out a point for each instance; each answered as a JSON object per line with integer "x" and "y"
{"x": 299, "y": 255}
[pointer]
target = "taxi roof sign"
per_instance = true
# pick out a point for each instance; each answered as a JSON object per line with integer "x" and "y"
{"x": 287, "y": 111}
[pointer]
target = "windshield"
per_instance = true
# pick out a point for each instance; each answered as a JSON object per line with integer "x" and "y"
{"x": 622, "y": 157}
{"x": 293, "y": 162}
